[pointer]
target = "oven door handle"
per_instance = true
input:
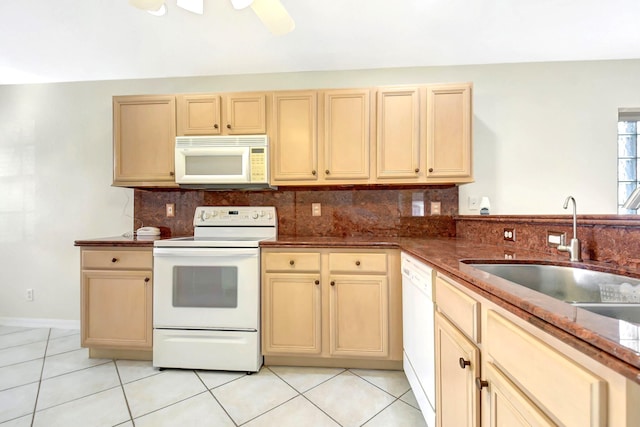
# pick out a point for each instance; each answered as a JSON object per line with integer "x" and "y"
{"x": 206, "y": 252}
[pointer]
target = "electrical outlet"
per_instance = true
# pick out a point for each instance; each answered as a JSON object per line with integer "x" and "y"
{"x": 435, "y": 208}
{"x": 29, "y": 295}
{"x": 473, "y": 203}
{"x": 510, "y": 234}
{"x": 316, "y": 209}
{"x": 171, "y": 209}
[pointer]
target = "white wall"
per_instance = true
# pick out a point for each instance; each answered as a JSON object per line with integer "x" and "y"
{"x": 541, "y": 132}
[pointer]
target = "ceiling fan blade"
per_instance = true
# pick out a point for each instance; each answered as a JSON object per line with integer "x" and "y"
{"x": 195, "y": 6}
{"x": 148, "y": 5}
{"x": 274, "y": 16}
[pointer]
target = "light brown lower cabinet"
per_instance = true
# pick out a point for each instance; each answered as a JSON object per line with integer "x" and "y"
{"x": 494, "y": 368}
{"x": 116, "y": 302}
{"x": 327, "y": 308}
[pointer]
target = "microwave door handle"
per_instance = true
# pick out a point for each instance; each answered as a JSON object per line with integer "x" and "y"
{"x": 206, "y": 252}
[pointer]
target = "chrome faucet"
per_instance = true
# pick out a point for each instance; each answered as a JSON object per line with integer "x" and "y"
{"x": 574, "y": 247}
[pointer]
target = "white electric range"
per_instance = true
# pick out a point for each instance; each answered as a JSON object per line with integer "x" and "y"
{"x": 206, "y": 300}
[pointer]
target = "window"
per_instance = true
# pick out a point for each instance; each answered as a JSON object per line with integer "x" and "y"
{"x": 628, "y": 156}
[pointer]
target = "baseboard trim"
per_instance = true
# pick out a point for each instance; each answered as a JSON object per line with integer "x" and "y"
{"x": 40, "y": 323}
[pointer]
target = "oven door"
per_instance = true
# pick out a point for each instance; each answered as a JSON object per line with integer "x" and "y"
{"x": 206, "y": 288}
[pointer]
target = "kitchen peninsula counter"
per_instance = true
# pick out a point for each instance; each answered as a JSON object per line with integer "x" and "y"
{"x": 596, "y": 336}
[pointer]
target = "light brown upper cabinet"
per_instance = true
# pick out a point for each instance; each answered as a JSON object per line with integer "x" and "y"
{"x": 294, "y": 137}
{"x": 399, "y": 142}
{"x": 345, "y": 137}
{"x": 222, "y": 114}
{"x": 321, "y": 137}
{"x": 448, "y": 130}
{"x": 144, "y": 132}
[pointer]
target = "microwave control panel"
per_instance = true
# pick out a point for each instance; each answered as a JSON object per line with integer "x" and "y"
{"x": 258, "y": 160}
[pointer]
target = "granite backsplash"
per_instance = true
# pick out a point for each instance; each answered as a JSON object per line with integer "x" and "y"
{"x": 396, "y": 212}
{"x": 611, "y": 239}
{"x": 361, "y": 211}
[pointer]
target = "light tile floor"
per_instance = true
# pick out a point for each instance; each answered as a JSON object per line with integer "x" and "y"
{"x": 47, "y": 379}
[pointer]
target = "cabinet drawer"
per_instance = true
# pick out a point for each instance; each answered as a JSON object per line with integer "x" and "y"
{"x": 567, "y": 392}
{"x": 459, "y": 307}
{"x": 292, "y": 261}
{"x": 117, "y": 259}
{"x": 358, "y": 263}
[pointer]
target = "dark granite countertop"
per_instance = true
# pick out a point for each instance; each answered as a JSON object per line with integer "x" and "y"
{"x": 120, "y": 241}
{"x": 609, "y": 341}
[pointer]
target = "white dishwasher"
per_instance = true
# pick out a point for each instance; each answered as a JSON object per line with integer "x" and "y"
{"x": 418, "y": 333}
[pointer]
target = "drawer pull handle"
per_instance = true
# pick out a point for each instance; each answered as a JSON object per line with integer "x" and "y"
{"x": 481, "y": 383}
{"x": 357, "y": 262}
{"x": 114, "y": 259}
{"x": 292, "y": 262}
{"x": 333, "y": 283}
{"x": 464, "y": 363}
{"x": 317, "y": 282}
{"x": 146, "y": 280}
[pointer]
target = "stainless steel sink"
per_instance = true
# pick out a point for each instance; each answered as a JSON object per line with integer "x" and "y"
{"x": 610, "y": 295}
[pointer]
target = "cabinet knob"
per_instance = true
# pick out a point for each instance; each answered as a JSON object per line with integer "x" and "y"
{"x": 464, "y": 363}
{"x": 317, "y": 282}
{"x": 114, "y": 259}
{"x": 172, "y": 173}
{"x": 216, "y": 126}
{"x": 430, "y": 169}
{"x": 416, "y": 170}
{"x": 333, "y": 283}
{"x": 313, "y": 172}
{"x": 327, "y": 172}
{"x": 146, "y": 280}
{"x": 228, "y": 126}
{"x": 480, "y": 383}
{"x": 357, "y": 262}
{"x": 292, "y": 262}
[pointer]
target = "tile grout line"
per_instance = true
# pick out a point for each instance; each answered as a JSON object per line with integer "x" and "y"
{"x": 126, "y": 401}
{"x": 317, "y": 385}
{"x": 44, "y": 358}
{"x": 209, "y": 390}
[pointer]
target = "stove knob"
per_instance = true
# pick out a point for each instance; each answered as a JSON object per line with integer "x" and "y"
{"x": 261, "y": 214}
{"x": 254, "y": 215}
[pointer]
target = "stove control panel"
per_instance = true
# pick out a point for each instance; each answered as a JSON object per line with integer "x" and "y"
{"x": 224, "y": 216}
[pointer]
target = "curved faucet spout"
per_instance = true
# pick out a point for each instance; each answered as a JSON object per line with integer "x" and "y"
{"x": 575, "y": 222}
{"x": 574, "y": 248}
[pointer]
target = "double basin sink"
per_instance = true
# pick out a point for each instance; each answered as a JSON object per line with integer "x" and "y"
{"x": 607, "y": 294}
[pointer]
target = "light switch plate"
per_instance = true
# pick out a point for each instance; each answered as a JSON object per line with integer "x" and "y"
{"x": 435, "y": 208}
{"x": 316, "y": 209}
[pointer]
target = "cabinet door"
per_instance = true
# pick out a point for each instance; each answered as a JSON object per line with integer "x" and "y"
{"x": 508, "y": 406}
{"x": 398, "y": 138}
{"x": 457, "y": 398}
{"x": 144, "y": 132}
{"x": 346, "y": 134}
{"x": 116, "y": 309}
{"x": 294, "y": 144}
{"x": 359, "y": 316}
{"x": 449, "y": 133}
{"x": 198, "y": 114}
{"x": 245, "y": 114}
{"x": 291, "y": 314}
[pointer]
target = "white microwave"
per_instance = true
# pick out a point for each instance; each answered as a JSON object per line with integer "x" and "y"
{"x": 239, "y": 160}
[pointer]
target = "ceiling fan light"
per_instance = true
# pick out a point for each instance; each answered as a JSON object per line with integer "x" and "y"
{"x": 241, "y": 4}
{"x": 160, "y": 12}
{"x": 274, "y": 16}
{"x": 195, "y": 6}
{"x": 148, "y": 5}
